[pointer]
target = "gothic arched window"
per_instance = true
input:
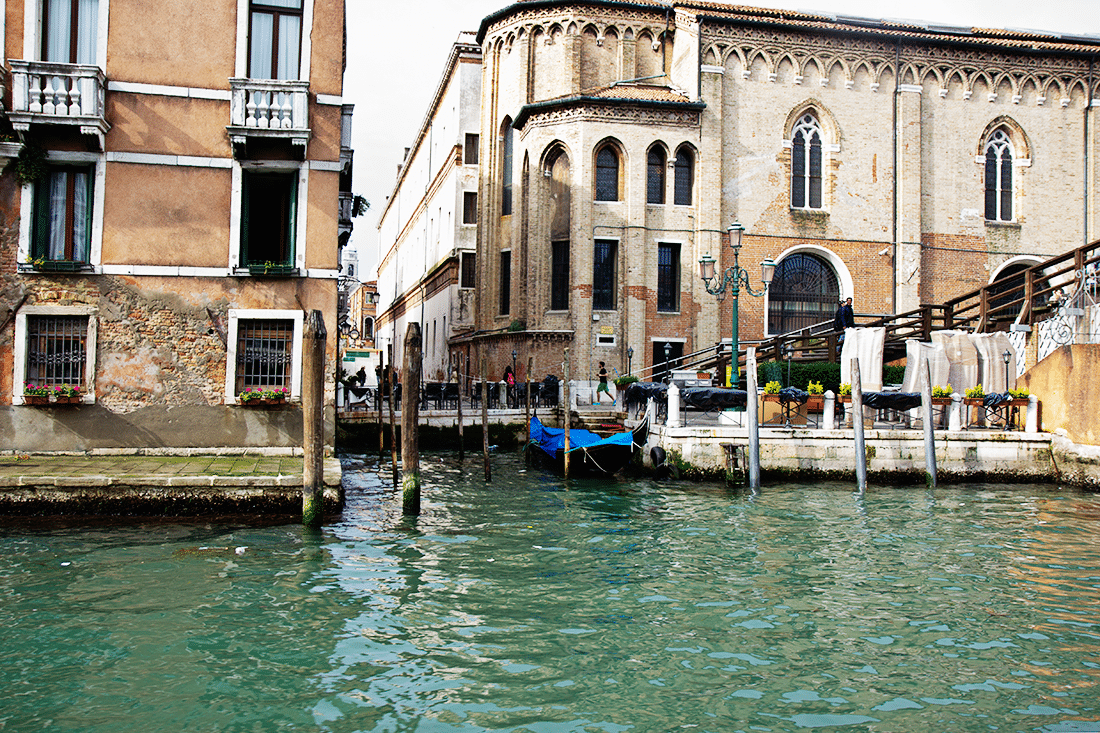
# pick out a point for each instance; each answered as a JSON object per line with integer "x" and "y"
{"x": 998, "y": 176}
{"x": 806, "y": 141}
{"x": 655, "y": 176}
{"x": 804, "y": 291}
{"x": 607, "y": 174}
{"x": 685, "y": 177}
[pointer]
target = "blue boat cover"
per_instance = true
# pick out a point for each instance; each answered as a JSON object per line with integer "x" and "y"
{"x": 551, "y": 440}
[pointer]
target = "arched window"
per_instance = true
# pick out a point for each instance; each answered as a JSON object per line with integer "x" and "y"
{"x": 804, "y": 291}
{"x": 507, "y": 144}
{"x": 607, "y": 174}
{"x": 998, "y": 176}
{"x": 368, "y": 327}
{"x": 685, "y": 177}
{"x": 806, "y": 163}
{"x": 655, "y": 176}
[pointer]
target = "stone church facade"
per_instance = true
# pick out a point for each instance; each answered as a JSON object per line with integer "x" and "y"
{"x": 896, "y": 164}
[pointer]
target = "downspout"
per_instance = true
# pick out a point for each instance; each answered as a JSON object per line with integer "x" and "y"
{"x": 894, "y": 195}
{"x": 1088, "y": 107}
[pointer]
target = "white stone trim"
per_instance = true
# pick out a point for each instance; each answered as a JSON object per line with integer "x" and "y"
{"x": 171, "y": 160}
{"x": 238, "y": 314}
{"x": 708, "y": 69}
{"x": 236, "y": 190}
{"x": 844, "y": 276}
{"x": 917, "y": 88}
{"x": 330, "y": 99}
{"x": 19, "y": 372}
{"x": 26, "y": 204}
{"x": 333, "y": 166}
{"x": 164, "y": 90}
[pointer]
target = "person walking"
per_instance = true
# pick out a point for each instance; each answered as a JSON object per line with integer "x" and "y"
{"x": 602, "y": 386}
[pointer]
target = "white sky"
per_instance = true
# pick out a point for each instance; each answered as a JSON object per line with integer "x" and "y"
{"x": 396, "y": 52}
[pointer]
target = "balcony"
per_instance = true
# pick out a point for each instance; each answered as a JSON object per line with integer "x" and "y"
{"x": 347, "y": 212}
{"x": 49, "y": 93}
{"x": 269, "y": 108}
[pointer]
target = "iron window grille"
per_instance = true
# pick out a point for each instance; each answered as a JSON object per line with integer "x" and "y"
{"x": 684, "y": 178}
{"x": 806, "y": 164}
{"x": 803, "y": 292}
{"x": 559, "y": 275}
{"x": 607, "y": 175}
{"x": 668, "y": 277}
{"x": 264, "y": 350}
{"x": 655, "y": 177}
{"x": 603, "y": 274}
{"x": 57, "y": 350}
{"x": 469, "y": 270}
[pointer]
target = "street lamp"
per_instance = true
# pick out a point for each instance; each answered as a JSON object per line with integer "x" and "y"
{"x": 1007, "y": 356}
{"x": 629, "y": 358}
{"x": 668, "y": 352}
{"x": 734, "y": 278}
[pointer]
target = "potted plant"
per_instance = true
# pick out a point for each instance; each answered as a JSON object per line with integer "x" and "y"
{"x": 845, "y": 392}
{"x": 816, "y": 403}
{"x": 771, "y": 391}
{"x": 67, "y": 394}
{"x": 276, "y": 396}
{"x": 975, "y": 395}
{"x": 625, "y": 381}
{"x": 255, "y": 396}
{"x": 273, "y": 269}
{"x": 1020, "y": 395}
{"x": 34, "y": 394}
{"x": 942, "y": 395}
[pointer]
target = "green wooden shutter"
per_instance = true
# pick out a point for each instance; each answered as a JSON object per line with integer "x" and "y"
{"x": 292, "y": 220}
{"x": 245, "y": 179}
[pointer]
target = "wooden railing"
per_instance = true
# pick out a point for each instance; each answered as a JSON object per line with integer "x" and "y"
{"x": 1024, "y": 299}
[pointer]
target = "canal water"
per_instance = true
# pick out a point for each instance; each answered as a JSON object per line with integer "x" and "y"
{"x": 534, "y": 604}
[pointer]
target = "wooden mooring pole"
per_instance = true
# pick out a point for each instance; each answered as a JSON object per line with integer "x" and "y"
{"x": 929, "y": 428}
{"x": 752, "y": 417}
{"x": 393, "y": 430}
{"x": 313, "y": 423}
{"x": 410, "y": 416}
{"x": 485, "y": 423}
{"x": 566, "y": 412}
{"x": 461, "y": 437}
{"x": 857, "y": 427}
{"x": 381, "y": 393}
{"x": 527, "y": 402}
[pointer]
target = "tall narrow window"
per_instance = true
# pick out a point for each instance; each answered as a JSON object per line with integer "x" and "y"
{"x": 269, "y": 203}
{"x": 655, "y": 176}
{"x": 469, "y": 149}
{"x": 998, "y": 177}
{"x": 468, "y": 274}
{"x": 668, "y": 277}
{"x": 604, "y": 274}
{"x": 559, "y": 276}
{"x": 264, "y": 351}
{"x": 685, "y": 177}
{"x": 607, "y": 174}
{"x": 56, "y": 350}
{"x": 806, "y": 164}
{"x": 469, "y": 207}
{"x": 505, "y": 282}
{"x": 275, "y": 39}
{"x": 506, "y": 174}
{"x": 63, "y": 215}
{"x": 70, "y": 31}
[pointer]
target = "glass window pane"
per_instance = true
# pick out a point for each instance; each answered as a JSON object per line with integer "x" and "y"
{"x": 261, "y": 47}
{"x": 685, "y": 175}
{"x": 655, "y": 177}
{"x": 603, "y": 274}
{"x": 290, "y": 36}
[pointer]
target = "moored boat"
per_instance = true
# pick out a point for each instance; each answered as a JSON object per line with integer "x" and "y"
{"x": 588, "y": 451}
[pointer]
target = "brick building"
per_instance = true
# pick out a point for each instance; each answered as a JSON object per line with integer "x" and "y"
{"x": 894, "y": 163}
{"x": 170, "y": 215}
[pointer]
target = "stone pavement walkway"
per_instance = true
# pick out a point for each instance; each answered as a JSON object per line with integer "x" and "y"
{"x": 125, "y": 484}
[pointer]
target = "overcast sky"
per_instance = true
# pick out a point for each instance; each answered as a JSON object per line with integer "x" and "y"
{"x": 396, "y": 52}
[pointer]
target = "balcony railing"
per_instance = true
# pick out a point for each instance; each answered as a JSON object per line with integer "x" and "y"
{"x": 45, "y": 92}
{"x": 272, "y": 108}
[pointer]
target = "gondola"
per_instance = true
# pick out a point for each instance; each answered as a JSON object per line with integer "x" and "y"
{"x": 588, "y": 452}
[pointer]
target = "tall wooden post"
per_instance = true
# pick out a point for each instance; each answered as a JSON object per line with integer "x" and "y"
{"x": 926, "y": 417}
{"x": 857, "y": 426}
{"x": 566, "y": 412}
{"x": 313, "y": 423}
{"x": 461, "y": 437}
{"x": 381, "y": 420}
{"x": 393, "y": 429}
{"x": 753, "y": 419}
{"x": 411, "y": 368}
{"x": 485, "y": 423}
{"x": 527, "y": 402}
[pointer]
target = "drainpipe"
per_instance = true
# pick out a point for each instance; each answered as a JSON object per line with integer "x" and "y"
{"x": 1088, "y": 107}
{"x": 894, "y": 196}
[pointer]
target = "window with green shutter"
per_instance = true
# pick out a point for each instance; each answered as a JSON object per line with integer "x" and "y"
{"x": 269, "y": 214}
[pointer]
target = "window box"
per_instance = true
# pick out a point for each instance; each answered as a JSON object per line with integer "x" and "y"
{"x": 36, "y": 399}
{"x": 263, "y": 402}
{"x": 55, "y": 266}
{"x": 270, "y": 270}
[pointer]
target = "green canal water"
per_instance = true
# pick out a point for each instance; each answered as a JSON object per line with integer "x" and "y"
{"x": 531, "y": 604}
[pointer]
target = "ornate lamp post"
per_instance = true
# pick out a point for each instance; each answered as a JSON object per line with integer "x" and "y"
{"x": 629, "y": 358}
{"x": 668, "y": 353}
{"x": 734, "y": 278}
{"x": 1007, "y": 356}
